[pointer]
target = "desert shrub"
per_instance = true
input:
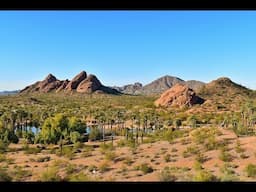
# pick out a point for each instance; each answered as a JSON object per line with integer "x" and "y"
{"x": 250, "y": 170}
{"x": 86, "y": 154}
{"x": 126, "y": 143}
{"x": 104, "y": 167}
{"x": 79, "y": 177}
{"x": 174, "y": 150}
{"x": 29, "y": 136}
{"x": 243, "y": 156}
{"x": 211, "y": 143}
{"x": 145, "y": 168}
{"x": 70, "y": 169}
{"x": 106, "y": 147}
{"x": 149, "y": 140}
{"x": 192, "y": 150}
{"x": 225, "y": 156}
{"x": 51, "y": 174}
{"x": 166, "y": 176}
{"x": 238, "y": 147}
{"x": 201, "y": 135}
{"x": 197, "y": 166}
{"x": 4, "y": 176}
{"x": 43, "y": 159}
{"x": 200, "y": 157}
{"x": 75, "y": 137}
{"x": 228, "y": 173}
{"x": 128, "y": 161}
{"x": 110, "y": 156}
{"x": 66, "y": 152}
{"x": 31, "y": 150}
{"x": 91, "y": 168}
{"x": 204, "y": 176}
{"x": 2, "y": 158}
{"x": 95, "y": 134}
{"x": 167, "y": 158}
{"x": 20, "y": 174}
{"x": 78, "y": 145}
{"x": 3, "y": 146}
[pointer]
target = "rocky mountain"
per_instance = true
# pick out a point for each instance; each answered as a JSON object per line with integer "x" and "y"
{"x": 224, "y": 95}
{"x": 133, "y": 89}
{"x": 179, "y": 95}
{"x": 81, "y": 83}
{"x": 158, "y": 86}
{"x": 73, "y": 84}
{"x": 223, "y": 86}
{"x": 195, "y": 85}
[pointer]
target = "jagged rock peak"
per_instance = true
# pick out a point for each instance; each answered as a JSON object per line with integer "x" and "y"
{"x": 50, "y": 78}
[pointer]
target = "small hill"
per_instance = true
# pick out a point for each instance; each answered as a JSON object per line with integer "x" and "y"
{"x": 223, "y": 94}
{"x": 179, "y": 96}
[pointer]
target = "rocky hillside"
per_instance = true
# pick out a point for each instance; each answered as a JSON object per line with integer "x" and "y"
{"x": 223, "y": 94}
{"x": 179, "y": 96}
{"x": 81, "y": 83}
{"x": 133, "y": 89}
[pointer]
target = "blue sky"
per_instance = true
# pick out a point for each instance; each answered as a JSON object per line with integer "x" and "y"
{"x": 122, "y": 47}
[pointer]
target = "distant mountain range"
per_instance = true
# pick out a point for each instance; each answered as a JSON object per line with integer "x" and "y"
{"x": 158, "y": 86}
{"x": 9, "y": 92}
{"x": 220, "y": 92}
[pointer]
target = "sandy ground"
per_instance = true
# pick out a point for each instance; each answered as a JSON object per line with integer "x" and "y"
{"x": 152, "y": 154}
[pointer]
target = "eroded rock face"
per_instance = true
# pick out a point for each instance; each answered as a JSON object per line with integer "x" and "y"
{"x": 47, "y": 85}
{"x": 81, "y": 83}
{"x": 73, "y": 84}
{"x": 89, "y": 85}
{"x": 63, "y": 86}
{"x": 179, "y": 96}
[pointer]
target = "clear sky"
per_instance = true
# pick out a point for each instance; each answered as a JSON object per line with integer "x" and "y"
{"x": 122, "y": 47}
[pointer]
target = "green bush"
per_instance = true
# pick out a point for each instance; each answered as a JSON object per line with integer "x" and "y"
{"x": 200, "y": 157}
{"x": 104, "y": 167}
{"x": 204, "y": 176}
{"x": 2, "y": 158}
{"x": 167, "y": 158}
{"x": 20, "y": 174}
{"x": 228, "y": 173}
{"x": 43, "y": 159}
{"x": 110, "y": 156}
{"x": 145, "y": 168}
{"x": 3, "y": 146}
{"x": 198, "y": 166}
{"x": 4, "y": 176}
{"x": 166, "y": 176}
{"x": 225, "y": 156}
{"x": 95, "y": 134}
{"x": 51, "y": 174}
{"x": 79, "y": 177}
{"x": 250, "y": 170}
{"x": 75, "y": 137}
{"x": 31, "y": 150}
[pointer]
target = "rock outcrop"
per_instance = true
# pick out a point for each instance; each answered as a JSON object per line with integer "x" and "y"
{"x": 179, "y": 96}
{"x": 73, "y": 84}
{"x": 49, "y": 84}
{"x": 81, "y": 83}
